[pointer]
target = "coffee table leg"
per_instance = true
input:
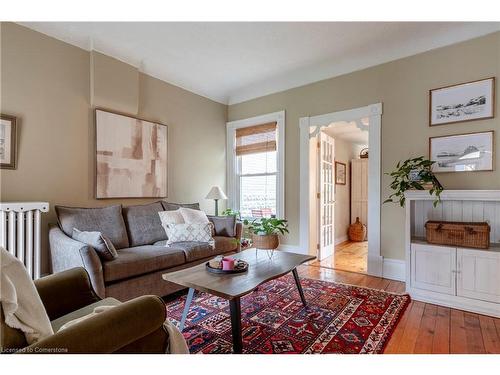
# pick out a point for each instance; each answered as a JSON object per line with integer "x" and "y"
{"x": 235, "y": 308}
{"x": 189, "y": 299}
{"x": 299, "y": 287}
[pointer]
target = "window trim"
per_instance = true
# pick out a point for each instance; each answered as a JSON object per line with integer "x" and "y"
{"x": 231, "y": 159}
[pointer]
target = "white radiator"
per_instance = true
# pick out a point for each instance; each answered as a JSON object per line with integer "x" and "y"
{"x": 20, "y": 232}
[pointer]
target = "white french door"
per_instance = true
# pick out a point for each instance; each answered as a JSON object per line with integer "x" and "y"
{"x": 326, "y": 195}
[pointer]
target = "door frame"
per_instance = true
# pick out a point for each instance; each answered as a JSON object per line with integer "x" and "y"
{"x": 310, "y": 126}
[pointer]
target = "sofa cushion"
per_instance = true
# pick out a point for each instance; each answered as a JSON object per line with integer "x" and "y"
{"x": 225, "y": 244}
{"x": 107, "y": 220}
{"x": 222, "y": 244}
{"x": 143, "y": 223}
{"x": 175, "y": 206}
{"x": 139, "y": 260}
{"x": 59, "y": 322}
{"x": 224, "y": 225}
{"x": 196, "y": 250}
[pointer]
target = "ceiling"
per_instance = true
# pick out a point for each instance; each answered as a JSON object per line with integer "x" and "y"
{"x": 349, "y": 131}
{"x": 233, "y": 62}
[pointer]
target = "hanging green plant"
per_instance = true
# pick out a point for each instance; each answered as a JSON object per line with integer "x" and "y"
{"x": 414, "y": 174}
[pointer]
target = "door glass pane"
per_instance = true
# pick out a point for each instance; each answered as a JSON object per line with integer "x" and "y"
{"x": 258, "y": 196}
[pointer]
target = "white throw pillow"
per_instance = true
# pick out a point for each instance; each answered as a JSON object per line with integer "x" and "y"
{"x": 170, "y": 217}
{"x": 197, "y": 232}
{"x": 193, "y": 216}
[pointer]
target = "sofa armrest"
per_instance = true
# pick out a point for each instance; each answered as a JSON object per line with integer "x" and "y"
{"x": 66, "y": 291}
{"x": 67, "y": 253}
{"x": 238, "y": 234}
{"x": 108, "y": 331}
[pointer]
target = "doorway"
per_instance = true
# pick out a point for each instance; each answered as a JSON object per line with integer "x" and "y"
{"x": 312, "y": 224}
{"x": 339, "y": 182}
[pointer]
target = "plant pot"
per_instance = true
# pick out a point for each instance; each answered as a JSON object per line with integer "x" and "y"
{"x": 265, "y": 242}
{"x": 357, "y": 231}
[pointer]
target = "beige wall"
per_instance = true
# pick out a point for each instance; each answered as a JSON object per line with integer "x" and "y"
{"x": 402, "y": 86}
{"x": 47, "y": 84}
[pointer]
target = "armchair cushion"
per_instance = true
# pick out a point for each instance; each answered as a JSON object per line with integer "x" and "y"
{"x": 107, "y": 220}
{"x": 143, "y": 224}
{"x": 59, "y": 322}
{"x": 140, "y": 260}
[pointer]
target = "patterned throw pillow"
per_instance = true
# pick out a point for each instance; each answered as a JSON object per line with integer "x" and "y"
{"x": 101, "y": 244}
{"x": 195, "y": 232}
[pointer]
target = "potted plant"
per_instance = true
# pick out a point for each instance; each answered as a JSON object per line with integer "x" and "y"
{"x": 414, "y": 174}
{"x": 231, "y": 212}
{"x": 265, "y": 232}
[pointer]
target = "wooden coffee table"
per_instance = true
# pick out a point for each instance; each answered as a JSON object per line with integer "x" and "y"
{"x": 233, "y": 287}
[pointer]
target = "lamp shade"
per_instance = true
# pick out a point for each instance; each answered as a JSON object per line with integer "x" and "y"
{"x": 216, "y": 193}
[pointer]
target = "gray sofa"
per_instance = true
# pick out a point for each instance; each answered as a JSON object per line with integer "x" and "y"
{"x": 139, "y": 238}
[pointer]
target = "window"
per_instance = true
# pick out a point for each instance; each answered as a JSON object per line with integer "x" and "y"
{"x": 255, "y": 166}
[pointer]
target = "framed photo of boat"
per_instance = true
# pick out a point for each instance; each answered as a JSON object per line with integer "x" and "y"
{"x": 463, "y": 102}
{"x": 470, "y": 152}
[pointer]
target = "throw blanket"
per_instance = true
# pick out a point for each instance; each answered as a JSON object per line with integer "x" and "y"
{"x": 21, "y": 304}
{"x": 177, "y": 343}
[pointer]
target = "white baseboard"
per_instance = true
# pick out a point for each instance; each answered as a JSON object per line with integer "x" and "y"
{"x": 292, "y": 249}
{"x": 394, "y": 269}
{"x": 341, "y": 239}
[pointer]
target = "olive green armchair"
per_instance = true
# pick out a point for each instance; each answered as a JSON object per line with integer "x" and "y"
{"x": 135, "y": 326}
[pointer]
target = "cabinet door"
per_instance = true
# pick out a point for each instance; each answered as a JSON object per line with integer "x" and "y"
{"x": 478, "y": 274}
{"x": 433, "y": 268}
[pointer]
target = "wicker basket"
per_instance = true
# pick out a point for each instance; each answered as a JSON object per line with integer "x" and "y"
{"x": 475, "y": 235}
{"x": 357, "y": 231}
{"x": 265, "y": 242}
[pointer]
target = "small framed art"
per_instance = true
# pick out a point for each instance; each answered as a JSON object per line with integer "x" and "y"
{"x": 462, "y": 153}
{"x": 340, "y": 173}
{"x": 464, "y": 102}
{"x": 8, "y": 141}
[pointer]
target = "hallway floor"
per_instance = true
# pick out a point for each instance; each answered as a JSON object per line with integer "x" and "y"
{"x": 348, "y": 256}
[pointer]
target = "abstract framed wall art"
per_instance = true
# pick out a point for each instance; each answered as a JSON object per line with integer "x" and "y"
{"x": 463, "y": 102}
{"x": 463, "y": 152}
{"x": 131, "y": 156}
{"x": 8, "y": 141}
{"x": 340, "y": 173}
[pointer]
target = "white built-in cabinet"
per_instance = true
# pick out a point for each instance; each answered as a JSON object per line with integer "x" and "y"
{"x": 359, "y": 190}
{"x": 462, "y": 278}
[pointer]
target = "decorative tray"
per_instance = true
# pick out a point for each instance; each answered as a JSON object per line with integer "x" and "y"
{"x": 240, "y": 266}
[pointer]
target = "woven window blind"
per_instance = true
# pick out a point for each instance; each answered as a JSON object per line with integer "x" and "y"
{"x": 256, "y": 139}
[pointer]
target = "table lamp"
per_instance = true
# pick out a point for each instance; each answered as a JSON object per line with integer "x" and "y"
{"x": 216, "y": 193}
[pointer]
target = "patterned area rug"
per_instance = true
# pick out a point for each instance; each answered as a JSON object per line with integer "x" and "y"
{"x": 339, "y": 318}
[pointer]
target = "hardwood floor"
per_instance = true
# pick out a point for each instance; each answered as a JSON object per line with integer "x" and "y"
{"x": 424, "y": 327}
{"x": 348, "y": 256}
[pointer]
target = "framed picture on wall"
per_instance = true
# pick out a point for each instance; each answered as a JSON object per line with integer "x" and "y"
{"x": 462, "y": 153}
{"x": 464, "y": 102}
{"x": 131, "y": 156}
{"x": 340, "y": 173}
{"x": 8, "y": 141}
